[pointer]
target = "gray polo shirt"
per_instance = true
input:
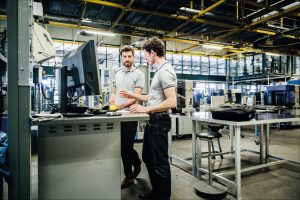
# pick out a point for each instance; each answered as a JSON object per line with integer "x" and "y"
{"x": 127, "y": 80}
{"x": 165, "y": 77}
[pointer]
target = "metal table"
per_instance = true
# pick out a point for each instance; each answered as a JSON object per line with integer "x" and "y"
{"x": 80, "y": 158}
{"x": 262, "y": 119}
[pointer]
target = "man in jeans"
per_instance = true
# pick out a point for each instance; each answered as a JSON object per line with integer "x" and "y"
{"x": 161, "y": 98}
{"x": 132, "y": 79}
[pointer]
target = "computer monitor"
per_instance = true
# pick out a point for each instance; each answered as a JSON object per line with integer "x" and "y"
{"x": 79, "y": 74}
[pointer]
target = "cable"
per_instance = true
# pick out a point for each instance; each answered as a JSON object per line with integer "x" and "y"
{"x": 79, "y": 96}
{"x": 44, "y": 95}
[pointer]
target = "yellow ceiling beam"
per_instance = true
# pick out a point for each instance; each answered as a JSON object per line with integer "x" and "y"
{"x": 203, "y": 21}
{"x": 264, "y": 32}
{"x": 189, "y": 48}
{"x": 63, "y": 24}
{"x": 200, "y": 53}
{"x": 208, "y": 9}
{"x": 106, "y": 3}
{"x": 193, "y": 42}
{"x": 67, "y": 41}
{"x": 74, "y": 26}
{"x": 274, "y": 33}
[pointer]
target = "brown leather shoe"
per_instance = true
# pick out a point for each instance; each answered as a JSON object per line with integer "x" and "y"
{"x": 126, "y": 182}
{"x": 136, "y": 171}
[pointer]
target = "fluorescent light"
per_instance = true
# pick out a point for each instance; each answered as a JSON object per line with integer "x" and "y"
{"x": 99, "y": 33}
{"x": 272, "y": 54}
{"x": 212, "y": 46}
{"x": 86, "y": 20}
{"x": 190, "y": 10}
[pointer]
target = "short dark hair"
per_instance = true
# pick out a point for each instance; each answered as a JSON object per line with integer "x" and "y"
{"x": 156, "y": 45}
{"x": 127, "y": 48}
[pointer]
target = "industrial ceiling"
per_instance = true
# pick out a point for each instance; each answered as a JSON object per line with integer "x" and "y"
{"x": 240, "y": 26}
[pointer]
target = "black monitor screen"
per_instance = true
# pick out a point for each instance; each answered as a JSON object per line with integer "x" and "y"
{"x": 83, "y": 75}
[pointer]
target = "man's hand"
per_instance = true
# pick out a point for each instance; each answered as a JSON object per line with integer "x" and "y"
{"x": 126, "y": 94}
{"x": 135, "y": 108}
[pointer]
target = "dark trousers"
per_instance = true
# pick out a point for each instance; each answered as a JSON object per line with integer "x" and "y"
{"x": 129, "y": 156}
{"x": 155, "y": 155}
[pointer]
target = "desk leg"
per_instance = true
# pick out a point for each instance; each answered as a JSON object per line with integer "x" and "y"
{"x": 231, "y": 137}
{"x": 194, "y": 166}
{"x": 170, "y": 146}
{"x": 198, "y": 157}
{"x": 238, "y": 162}
{"x": 261, "y": 145}
{"x": 267, "y": 138}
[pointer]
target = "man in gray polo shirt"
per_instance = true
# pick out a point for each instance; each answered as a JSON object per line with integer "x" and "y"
{"x": 132, "y": 79}
{"x": 161, "y": 98}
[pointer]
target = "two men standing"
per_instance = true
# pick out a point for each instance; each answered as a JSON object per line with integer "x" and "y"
{"x": 127, "y": 91}
{"x": 161, "y": 98}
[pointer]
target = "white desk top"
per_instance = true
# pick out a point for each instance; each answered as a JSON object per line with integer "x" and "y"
{"x": 126, "y": 116}
{"x": 261, "y": 118}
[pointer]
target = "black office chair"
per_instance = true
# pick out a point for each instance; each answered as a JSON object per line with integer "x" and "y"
{"x": 213, "y": 133}
{"x": 212, "y": 190}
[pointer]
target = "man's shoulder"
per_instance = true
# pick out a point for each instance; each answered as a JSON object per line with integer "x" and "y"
{"x": 117, "y": 70}
{"x": 139, "y": 71}
{"x": 169, "y": 68}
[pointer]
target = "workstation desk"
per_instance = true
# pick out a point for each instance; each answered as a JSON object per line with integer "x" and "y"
{"x": 80, "y": 158}
{"x": 262, "y": 119}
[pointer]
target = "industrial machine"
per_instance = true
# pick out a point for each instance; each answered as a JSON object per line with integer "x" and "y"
{"x": 182, "y": 126}
{"x": 284, "y": 95}
{"x": 233, "y": 96}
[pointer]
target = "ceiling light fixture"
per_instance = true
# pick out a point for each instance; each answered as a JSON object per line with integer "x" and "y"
{"x": 209, "y": 46}
{"x": 272, "y": 54}
{"x": 190, "y": 10}
{"x": 99, "y": 33}
{"x": 86, "y": 20}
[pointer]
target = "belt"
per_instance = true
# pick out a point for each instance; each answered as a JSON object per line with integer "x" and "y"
{"x": 158, "y": 116}
{"x": 158, "y": 113}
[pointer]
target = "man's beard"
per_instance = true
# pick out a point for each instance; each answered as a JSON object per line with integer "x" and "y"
{"x": 127, "y": 64}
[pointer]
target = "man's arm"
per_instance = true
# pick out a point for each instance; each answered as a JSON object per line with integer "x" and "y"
{"x": 112, "y": 96}
{"x": 129, "y": 95}
{"x": 169, "y": 102}
{"x": 137, "y": 91}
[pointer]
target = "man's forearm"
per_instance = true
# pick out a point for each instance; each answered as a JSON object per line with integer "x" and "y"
{"x": 111, "y": 99}
{"x": 141, "y": 97}
{"x": 126, "y": 104}
{"x": 163, "y": 106}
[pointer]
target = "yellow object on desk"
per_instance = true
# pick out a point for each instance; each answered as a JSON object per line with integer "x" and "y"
{"x": 113, "y": 107}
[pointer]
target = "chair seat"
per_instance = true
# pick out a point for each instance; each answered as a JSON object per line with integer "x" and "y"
{"x": 215, "y": 127}
{"x": 209, "y": 135}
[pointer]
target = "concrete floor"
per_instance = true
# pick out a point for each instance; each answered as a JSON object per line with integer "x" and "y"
{"x": 273, "y": 183}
